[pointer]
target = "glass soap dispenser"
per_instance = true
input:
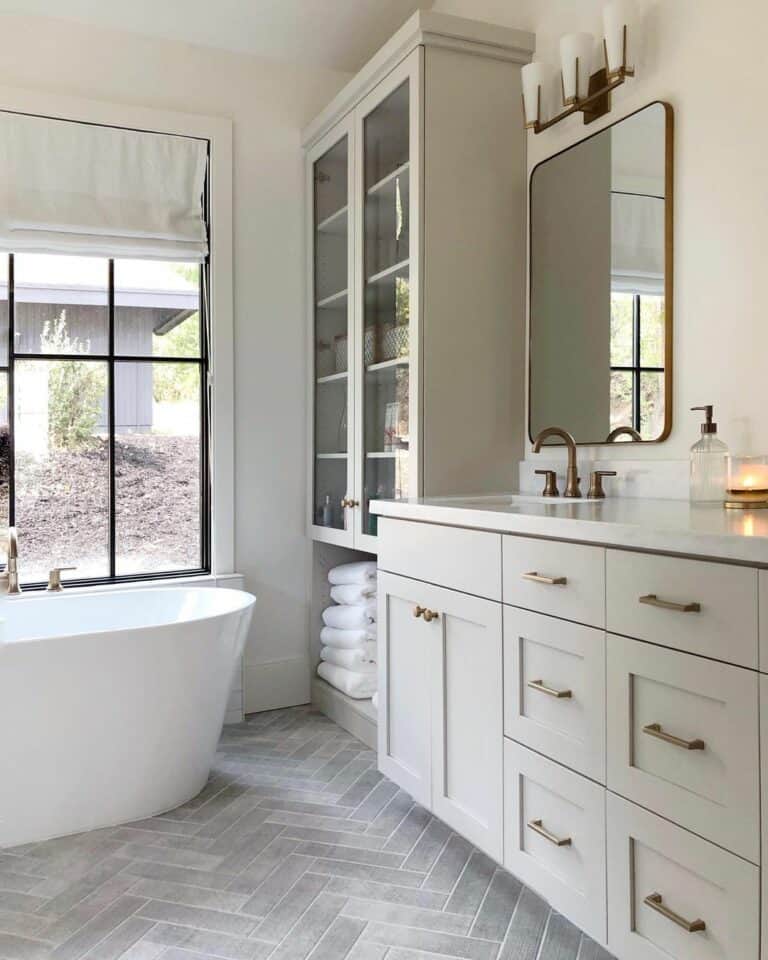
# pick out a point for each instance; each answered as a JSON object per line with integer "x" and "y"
{"x": 709, "y": 463}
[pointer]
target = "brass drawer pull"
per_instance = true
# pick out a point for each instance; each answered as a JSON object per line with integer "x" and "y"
{"x": 655, "y": 730}
{"x": 538, "y": 827}
{"x": 535, "y": 577}
{"x": 429, "y": 615}
{"x": 655, "y": 902}
{"x": 550, "y": 691}
{"x": 653, "y": 601}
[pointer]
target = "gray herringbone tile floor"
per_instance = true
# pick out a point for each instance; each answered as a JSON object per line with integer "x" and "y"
{"x": 297, "y": 848}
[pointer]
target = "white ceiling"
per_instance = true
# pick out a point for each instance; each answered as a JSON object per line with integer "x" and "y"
{"x": 338, "y": 34}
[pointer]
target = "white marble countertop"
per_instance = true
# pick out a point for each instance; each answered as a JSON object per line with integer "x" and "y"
{"x": 665, "y": 526}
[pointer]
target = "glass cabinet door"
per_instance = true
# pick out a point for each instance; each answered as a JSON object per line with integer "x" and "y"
{"x": 386, "y": 334}
{"x": 332, "y": 347}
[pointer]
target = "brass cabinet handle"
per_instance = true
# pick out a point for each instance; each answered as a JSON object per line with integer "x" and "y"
{"x": 538, "y": 827}
{"x": 655, "y": 902}
{"x": 653, "y": 601}
{"x": 550, "y": 691}
{"x": 535, "y": 577}
{"x": 349, "y": 502}
{"x": 429, "y": 615}
{"x": 655, "y": 730}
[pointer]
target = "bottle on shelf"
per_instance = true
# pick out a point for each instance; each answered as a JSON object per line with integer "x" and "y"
{"x": 326, "y": 516}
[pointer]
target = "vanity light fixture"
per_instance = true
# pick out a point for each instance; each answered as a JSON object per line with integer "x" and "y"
{"x": 583, "y": 92}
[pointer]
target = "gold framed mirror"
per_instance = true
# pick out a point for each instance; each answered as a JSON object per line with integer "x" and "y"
{"x": 600, "y": 284}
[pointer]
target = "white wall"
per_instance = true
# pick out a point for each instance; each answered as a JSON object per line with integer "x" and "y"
{"x": 268, "y": 103}
{"x": 710, "y": 67}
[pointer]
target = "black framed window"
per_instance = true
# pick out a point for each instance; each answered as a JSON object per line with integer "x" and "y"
{"x": 104, "y": 413}
{"x": 637, "y": 362}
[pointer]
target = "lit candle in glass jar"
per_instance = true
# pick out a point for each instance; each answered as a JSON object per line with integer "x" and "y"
{"x": 747, "y": 482}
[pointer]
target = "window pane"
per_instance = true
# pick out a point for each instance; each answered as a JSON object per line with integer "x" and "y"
{"x": 5, "y": 450}
{"x": 651, "y": 405}
{"x": 62, "y": 467}
{"x": 61, "y": 304}
{"x": 157, "y": 467}
{"x": 621, "y": 399}
{"x": 4, "y": 311}
{"x": 157, "y": 309}
{"x": 621, "y": 329}
{"x": 652, "y": 331}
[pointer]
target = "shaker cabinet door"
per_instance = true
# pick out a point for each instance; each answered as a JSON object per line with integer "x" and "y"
{"x": 467, "y": 715}
{"x": 405, "y": 674}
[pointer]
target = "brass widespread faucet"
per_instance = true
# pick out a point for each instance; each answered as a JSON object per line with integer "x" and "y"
{"x": 572, "y": 488}
{"x": 9, "y": 579}
{"x": 622, "y": 432}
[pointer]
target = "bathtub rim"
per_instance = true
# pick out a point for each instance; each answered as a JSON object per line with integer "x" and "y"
{"x": 249, "y": 602}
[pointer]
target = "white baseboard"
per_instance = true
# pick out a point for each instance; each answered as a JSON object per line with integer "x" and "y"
{"x": 275, "y": 684}
{"x": 358, "y": 717}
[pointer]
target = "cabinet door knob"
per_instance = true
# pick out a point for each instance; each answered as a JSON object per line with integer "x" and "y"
{"x": 430, "y": 615}
{"x": 419, "y": 612}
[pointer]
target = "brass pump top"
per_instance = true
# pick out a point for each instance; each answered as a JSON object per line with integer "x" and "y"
{"x": 708, "y": 426}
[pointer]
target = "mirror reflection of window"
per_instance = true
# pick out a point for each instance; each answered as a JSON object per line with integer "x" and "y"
{"x": 599, "y": 322}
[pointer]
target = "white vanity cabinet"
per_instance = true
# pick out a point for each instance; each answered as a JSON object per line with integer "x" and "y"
{"x": 440, "y": 704}
{"x": 628, "y": 737}
{"x": 410, "y": 297}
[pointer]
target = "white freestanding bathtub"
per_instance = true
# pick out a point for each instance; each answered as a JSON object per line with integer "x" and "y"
{"x": 111, "y": 704}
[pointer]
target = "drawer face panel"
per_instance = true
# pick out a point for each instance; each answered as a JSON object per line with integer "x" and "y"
{"x": 673, "y": 894}
{"x": 763, "y": 619}
{"x": 682, "y": 740}
{"x": 465, "y": 560}
{"x": 555, "y": 835}
{"x": 704, "y": 608}
{"x": 578, "y": 572}
{"x": 554, "y": 689}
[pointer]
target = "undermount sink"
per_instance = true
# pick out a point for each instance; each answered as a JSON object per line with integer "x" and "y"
{"x": 521, "y": 499}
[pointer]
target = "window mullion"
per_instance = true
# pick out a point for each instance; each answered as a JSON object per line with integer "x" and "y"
{"x": 111, "y": 418}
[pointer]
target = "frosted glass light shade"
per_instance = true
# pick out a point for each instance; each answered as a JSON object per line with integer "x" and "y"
{"x": 617, "y": 15}
{"x": 576, "y": 49}
{"x": 533, "y": 76}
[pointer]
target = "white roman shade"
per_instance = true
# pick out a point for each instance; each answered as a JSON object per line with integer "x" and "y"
{"x": 84, "y": 189}
{"x": 637, "y": 243}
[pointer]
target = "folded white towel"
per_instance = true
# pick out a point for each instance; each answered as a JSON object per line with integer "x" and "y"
{"x": 360, "y": 686}
{"x": 353, "y": 593}
{"x": 354, "y": 659}
{"x": 362, "y": 659}
{"x": 375, "y": 701}
{"x": 357, "y": 617}
{"x": 363, "y": 571}
{"x": 346, "y": 639}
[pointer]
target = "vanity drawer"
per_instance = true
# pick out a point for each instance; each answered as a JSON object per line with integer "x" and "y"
{"x": 705, "y": 608}
{"x": 561, "y": 579}
{"x": 554, "y": 689}
{"x": 683, "y": 741}
{"x": 762, "y": 580}
{"x": 465, "y": 560}
{"x": 661, "y": 879}
{"x": 554, "y": 836}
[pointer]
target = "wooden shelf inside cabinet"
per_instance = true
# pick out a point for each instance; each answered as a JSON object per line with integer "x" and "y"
{"x": 331, "y": 456}
{"x": 390, "y": 178}
{"x": 335, "y": 224}
{"x": 333, "y": 302}
{"x": 388, "y": 364}
{"x": 334, "y": 377}
{"x": 386, "y": 454}
{"x": 397, "y": 269}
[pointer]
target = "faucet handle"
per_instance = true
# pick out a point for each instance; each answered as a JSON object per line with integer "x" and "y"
{"x": 596, "y": 491}
{"x": 550, "y": 483}
{"x": 54, "y": 579}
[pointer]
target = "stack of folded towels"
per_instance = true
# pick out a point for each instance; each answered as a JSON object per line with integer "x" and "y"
{"x": 348, "y": 637}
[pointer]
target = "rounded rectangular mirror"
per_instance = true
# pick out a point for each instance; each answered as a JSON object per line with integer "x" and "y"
{"x": 601, "y": 284}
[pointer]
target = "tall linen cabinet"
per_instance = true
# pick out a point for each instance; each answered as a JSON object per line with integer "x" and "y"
{"x": 415, "y": 180}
